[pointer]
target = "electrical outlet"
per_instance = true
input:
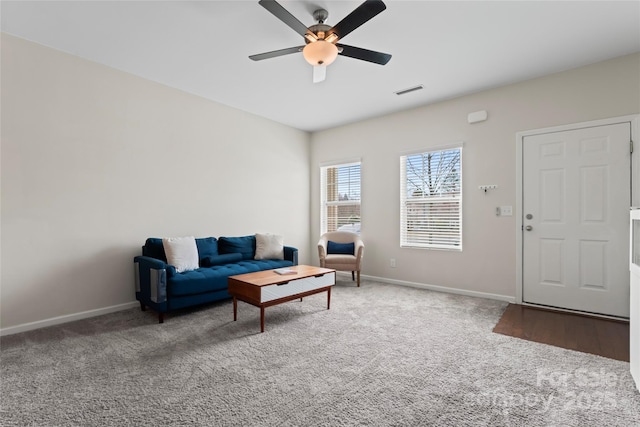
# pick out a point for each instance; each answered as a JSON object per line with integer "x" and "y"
{"x": 392, "y": 262}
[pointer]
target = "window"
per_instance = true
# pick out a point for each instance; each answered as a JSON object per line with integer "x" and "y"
{"x": 340, "y": 192}
{"x": 431, "y": 199}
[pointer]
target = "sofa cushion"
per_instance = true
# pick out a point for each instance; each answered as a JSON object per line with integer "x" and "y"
{"x": 201, "y": 280}
{"x": 182, "y": 252}
{"x": 207, "y": 246}
{"x": 154, "y": 248}
{"x": 215, "y": 278}
{"x": 245, "y": 245}
{"x": 269, "y": 246}
{"x": 212, "y": 260}
{"x": 264, "y": 264}
{"x": 340, "y": 248}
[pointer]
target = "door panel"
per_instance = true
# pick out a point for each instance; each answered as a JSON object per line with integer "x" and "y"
{"x": 576, "y": 188}
{"x": 552, "y": 262}
{"x": 552, "y": 195}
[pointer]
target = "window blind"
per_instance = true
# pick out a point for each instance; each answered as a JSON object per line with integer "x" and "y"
{"x": 340, "y": 192}
{"x": 431, "y": 199}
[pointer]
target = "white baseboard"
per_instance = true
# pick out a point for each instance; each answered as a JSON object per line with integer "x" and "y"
{"x": 67, "y": 318}
{"x": 436, "y": 288}
{"x": 112, "y": 309}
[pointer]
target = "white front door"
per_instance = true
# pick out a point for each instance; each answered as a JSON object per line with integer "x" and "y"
{"x": 576, "y": 188}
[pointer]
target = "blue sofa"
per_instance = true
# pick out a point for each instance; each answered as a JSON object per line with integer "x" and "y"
{"x": 161, "y": 288}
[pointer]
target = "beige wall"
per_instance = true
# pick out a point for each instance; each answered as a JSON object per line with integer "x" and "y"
{"x": 488, "y": 262}
{"x": 95, "y": 160}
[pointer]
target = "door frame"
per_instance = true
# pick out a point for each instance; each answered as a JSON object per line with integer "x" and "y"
{"x": 635, "y": 177}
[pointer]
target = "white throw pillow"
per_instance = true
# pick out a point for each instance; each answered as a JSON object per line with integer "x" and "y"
{"x": 269, "y": 246}
{"x": 181, "y": 252}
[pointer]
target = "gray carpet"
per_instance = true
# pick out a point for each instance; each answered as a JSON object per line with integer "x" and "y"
{"x": 382, "y": 356}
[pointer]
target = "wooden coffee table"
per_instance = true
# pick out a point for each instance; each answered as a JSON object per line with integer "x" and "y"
{"x": 266, "y": 288}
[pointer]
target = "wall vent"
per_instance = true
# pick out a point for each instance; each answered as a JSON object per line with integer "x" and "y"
{"x": 411, "y": 89}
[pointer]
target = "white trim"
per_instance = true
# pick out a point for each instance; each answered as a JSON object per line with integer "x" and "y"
{"x": 456, "y": 291}
{"x": 633, "y": 119}
{"x": 635, "y": 159}
{"x": 581, "y": 313}
{"x": 634, "y": 265}
{"x": 518, "y": 215}
{"x": 444, "y": 147}
{"x": 346, "y": 162}
{"x": 25, "y": 327}
{"x": 581, "y": 125}
{"x": 66, "y": 318}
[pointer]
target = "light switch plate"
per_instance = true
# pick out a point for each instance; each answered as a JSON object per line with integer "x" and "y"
{"x": 506, "y": 210}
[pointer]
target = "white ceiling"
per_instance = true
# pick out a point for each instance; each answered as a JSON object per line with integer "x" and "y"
{"x": 450, "y": 47}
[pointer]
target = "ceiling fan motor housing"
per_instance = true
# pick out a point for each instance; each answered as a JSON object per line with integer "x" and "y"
{"x": 320, "y": 30}
{"x": 320, "y": 15}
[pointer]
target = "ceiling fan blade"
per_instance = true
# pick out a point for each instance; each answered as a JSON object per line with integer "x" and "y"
{"x": 319, "y": 73}
{"x": 364, "y": 54}
{"x": 359, "y": 16}
{"x": 275, "y": 53}
{"x": 285, "y": 16}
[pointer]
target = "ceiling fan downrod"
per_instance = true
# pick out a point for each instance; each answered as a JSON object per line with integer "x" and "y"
{"x": 320, "y": 29}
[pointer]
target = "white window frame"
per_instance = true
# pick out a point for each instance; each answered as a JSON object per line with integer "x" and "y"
{"x": 325, "y": 204}
{"x": 434, "y": 237}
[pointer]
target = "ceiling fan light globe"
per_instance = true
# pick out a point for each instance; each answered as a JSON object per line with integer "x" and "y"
{"x": 320, "y": 53}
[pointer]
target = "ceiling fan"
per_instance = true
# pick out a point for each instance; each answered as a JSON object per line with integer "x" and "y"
{"x": 321, "y": 40}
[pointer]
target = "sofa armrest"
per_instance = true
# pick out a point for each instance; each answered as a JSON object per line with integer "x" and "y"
{"x": 151, "y": 279}
{"x": 291, "y": 254}
{"x": 149, "y": 262}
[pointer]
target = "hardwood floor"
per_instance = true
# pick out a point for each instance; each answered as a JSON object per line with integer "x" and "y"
{"x": 603, "y": 337}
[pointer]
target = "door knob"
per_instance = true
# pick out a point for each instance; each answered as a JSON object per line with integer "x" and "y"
{"x": 528, "y": 228}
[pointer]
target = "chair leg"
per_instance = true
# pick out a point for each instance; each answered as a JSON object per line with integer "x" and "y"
{"x": 358, "y": 278}
{"x": 160, "y": 317}
{"x": 142, "y": 306}
{"x": 353, "y": 277}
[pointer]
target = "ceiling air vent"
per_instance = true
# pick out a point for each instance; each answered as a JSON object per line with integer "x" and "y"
{"x": 411, "y": 89}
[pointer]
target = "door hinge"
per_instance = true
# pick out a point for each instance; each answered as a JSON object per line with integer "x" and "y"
{"x": 631, "y": 146}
